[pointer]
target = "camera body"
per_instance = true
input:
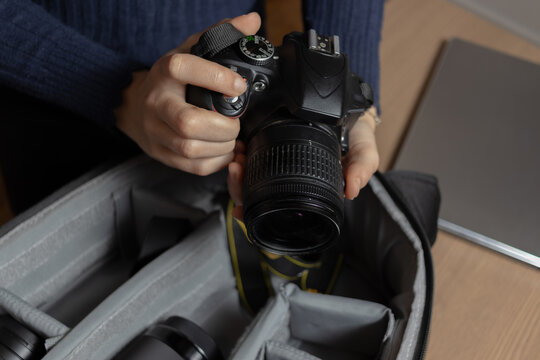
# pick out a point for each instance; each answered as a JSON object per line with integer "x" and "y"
{"x": 301, "y": 101}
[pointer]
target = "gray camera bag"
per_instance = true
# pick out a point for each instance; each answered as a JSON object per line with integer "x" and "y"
{"x": 67, "y": 270}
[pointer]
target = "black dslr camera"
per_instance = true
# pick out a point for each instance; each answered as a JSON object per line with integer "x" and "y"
{"x": 301, "y": 102}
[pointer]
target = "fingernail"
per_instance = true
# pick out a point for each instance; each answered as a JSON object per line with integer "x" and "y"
{"x": 240, "y": 85}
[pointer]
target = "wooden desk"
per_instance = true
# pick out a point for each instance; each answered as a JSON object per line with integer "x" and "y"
{"x": 486, "y": 306}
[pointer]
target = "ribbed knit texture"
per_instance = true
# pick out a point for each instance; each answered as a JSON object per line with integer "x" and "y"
{"x": 80, "y": 54}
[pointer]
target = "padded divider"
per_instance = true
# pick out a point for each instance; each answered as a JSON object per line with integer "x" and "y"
{"x": 385, "y": 264}
{"x": 32, "y": 319}
{"x": 274, "y": 350}
{"x": 193, "y": 279}
{"x": 325, "y": 326}
{"x": 48, "y": 257}
{"x": 45, "y": 256}
{"x": 337, "y": 322}
{"x": 405, "y": 270}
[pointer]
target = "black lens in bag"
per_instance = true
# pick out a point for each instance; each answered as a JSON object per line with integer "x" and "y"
{"x": 175, "y": 339}
{"x": 17, "y": 342}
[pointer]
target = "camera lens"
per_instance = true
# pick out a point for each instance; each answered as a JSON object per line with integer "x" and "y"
{"x": 293, "y": 230}
{"x": 175, "y": 339}
{"x": 293, "y": 189}
{"x": 17, "y": 342}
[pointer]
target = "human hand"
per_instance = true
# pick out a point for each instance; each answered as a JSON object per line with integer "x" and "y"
{"x": 154, "y": 112}
{"x": 362, "y": 159}
{"x": 359, "y": 164}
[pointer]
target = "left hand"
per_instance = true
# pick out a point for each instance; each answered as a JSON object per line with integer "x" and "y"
{"x": 359, "y": 164}
{"x": 362, "y": 159}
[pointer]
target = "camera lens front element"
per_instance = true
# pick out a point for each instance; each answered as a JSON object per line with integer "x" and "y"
{"x": 294, "y": 230}
{"x": 293, "y": 188}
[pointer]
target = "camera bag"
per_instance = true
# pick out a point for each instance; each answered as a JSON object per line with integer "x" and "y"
{"x": 121, "y": 249}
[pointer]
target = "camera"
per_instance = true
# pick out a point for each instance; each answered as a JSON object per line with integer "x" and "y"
{"x": 301, "y": 101}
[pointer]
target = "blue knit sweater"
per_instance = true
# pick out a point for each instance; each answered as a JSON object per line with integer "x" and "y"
{"x": 80, "y": 54}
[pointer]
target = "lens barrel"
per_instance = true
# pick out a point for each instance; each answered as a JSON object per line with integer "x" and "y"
{"x": 175, "y": 339}
{"x": 293, "y": 187}
{"x": 17, "y": 342}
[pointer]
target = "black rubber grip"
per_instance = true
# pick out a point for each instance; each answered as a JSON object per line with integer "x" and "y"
{"x": 216, "y": 39}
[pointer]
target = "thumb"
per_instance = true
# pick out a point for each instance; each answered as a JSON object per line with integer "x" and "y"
{"x": 362, "y": 160}
{"x": 248, "y": 24}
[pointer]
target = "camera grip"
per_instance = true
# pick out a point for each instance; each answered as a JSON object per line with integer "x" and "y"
{"x": 199, "y": 97}
{"x": 231, "y": 107}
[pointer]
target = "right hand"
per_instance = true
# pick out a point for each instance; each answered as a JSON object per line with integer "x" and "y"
{"x": 155, "y": 114}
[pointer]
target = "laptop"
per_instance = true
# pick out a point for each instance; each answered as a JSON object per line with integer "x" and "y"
{"x": 478, "y": 130}
{"x": 518, "y": 16}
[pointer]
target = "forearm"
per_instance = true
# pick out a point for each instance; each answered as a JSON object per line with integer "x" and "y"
{"x": 42, "y": 57}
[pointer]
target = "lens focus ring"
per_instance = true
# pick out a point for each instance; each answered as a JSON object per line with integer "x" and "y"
{"x": 294, "y": 159}
{"x": 293, "y": 188}
{"x": 293, "y": 169}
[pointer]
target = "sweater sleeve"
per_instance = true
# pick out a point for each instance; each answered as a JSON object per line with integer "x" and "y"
{"x": 44, "y": 58}
{"x": 358, "y": 23}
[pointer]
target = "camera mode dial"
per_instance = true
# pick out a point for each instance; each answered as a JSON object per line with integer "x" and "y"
{"x": 256, "y": 49}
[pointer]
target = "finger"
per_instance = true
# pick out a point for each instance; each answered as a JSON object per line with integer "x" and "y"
{"x": 190, "y": 147}
{"x": 238, "y": 212}
{"x": 234, "y": 182}
{"x": 191, "y": 69}
{"x": 240, "y": 147}
{"x": 235, "y": 179}
{"x": 248, "y": 24}
{"x": 196, "y": 149}
{"x": 240, "y": 153}
{"x": 191, "y": 122}
{"x": 186, "y": 46}
{"x": 236, "y": 173}
{"x": 359, "y": 171}
{"x": 200, "y": 167}
{"x": 361, "y": 161}
{"x": 240, "y": 159}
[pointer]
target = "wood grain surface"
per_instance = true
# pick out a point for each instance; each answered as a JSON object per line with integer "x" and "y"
{"x": 414, "y": 32}
{"x": 487, "y": 306}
